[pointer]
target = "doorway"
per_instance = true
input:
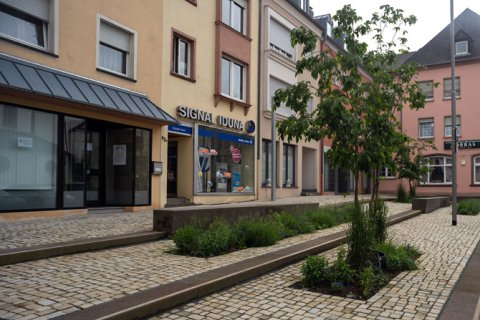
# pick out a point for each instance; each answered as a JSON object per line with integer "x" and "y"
{"x": 172, "y": 169}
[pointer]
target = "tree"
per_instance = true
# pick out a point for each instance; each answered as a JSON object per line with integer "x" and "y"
{"x": 359, "y": 115}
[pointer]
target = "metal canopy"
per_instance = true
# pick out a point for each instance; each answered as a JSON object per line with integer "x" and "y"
{"x": 27, "y": 76}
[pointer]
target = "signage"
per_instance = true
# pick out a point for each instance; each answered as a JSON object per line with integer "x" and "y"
{"x": 229, "y": 123}
{"x": 194, "y": 114}
{"x": 462, "y": 144}
{"x": 24, "y": 142}
{"x": 226, "y": 136}
{"x": 180, "y": 129}
{"x": 119, "y": 154}
{"x": 236, "y": 155}
{"x": 250, "y": 126}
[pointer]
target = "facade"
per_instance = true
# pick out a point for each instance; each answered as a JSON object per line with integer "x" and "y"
{"x": 434, "y": 122}
{"x": 210, "y": 86}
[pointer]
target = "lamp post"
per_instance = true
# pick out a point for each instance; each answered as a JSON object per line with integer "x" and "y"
{"x": 454, "y": 118}
{"x": 274, "y": 155}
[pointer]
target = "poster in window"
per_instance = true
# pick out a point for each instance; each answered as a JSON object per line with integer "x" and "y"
{"x": 119, "y": 154}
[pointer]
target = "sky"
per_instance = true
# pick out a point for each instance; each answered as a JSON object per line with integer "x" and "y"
{"x": 432, "y": 15}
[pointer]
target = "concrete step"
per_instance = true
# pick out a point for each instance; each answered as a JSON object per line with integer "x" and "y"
{"x": 178, "y": 202}
{"x": 12, "y": 256}
{"x": 161, "y": 298}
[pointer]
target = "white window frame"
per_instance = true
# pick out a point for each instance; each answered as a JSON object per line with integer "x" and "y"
{"x": 475, "y": 164}
{"x": 386, "y": 173}
{"x": 230, "y": 73}
{"x": 450, "y": 126}
{"x": 131, "y": 63}
{"x": 230, "y": 23}
{"x": 445, "y": 165}
{"x": 426, "y": 120}
{"x": 457, "y": 89}
{"x": 461, "y": 43}
{"x": 430, "y": 83}
{"x": 50, "y": 28}
{"x": 177, "y": 38}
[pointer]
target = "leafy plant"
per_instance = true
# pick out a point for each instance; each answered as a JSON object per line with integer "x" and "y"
{"x": 292, "y": 225}
{"x": 399, "y": 258}
{"x": 341, "y": 270}
{"x": 360, "y": 239}
{"x": 185, "y": 239}
{"x": 215, "y": 240}
{"x": 377, "y": 212}
{"x": 402, "y": 194}
{"x": 367, "y": 281}
{"x": 259, "y": 232}
{"x": 314, "y": 270}
{"x": 469, "y": 207}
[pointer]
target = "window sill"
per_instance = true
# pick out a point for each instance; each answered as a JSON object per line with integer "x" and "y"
{"x": 475, "y": 185}
{"x": 293, "y": 187}
{"x": 435, "y": 185}
{"x": 28, "y": 46}
{"x": 191, "y": 79}
{"x": 113, "y": 73}
{"x": 232, "y": 101}
{"x": 221, "y": 23}
{"x": 426, "y": 138}
{"x": 448, "y": 98}
{"x": 429, "y": 100}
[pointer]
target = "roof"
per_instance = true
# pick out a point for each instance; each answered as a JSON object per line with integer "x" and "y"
{"x": 27, "y": 76}
{"x": 437, "y": 50}
{"x": 322, "y": 22}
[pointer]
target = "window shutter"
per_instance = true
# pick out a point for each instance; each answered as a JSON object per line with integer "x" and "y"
{"x": 280, "y": 36}
{"x": 37, "y": 8}
{"x": 114, "y": 37}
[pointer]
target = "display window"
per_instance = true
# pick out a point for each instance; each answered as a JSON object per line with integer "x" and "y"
{"x": 224, "y": 162}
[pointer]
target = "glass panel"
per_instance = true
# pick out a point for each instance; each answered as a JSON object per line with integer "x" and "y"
{"x": 237, "y": 81}
{"x": 93, "y": 166}
{"x": 183, "y": 57}
{"x": 226, "y": 11}
{"x": 74, "y": 163}
{"x": 284, "y": 165}
{"x": 225, "y": 162}
{"x": 448, "y": 172}
{"x": 225, "y": 76}
{"x": 142, "y": 167}
{"x": 28, "y": 159}
{"x": 19, "y": 25}
{"x": 427, "y": 88}
{"x": 437, "y": 175}
{"x": 265, "y": 161}
{"x": 291, "y": 166}
{"x": 477, "y": 160}
{"x": 119, "y": 166}
{"x": 448, "y": 160}
{"x": 113, "y": 59}
{"x": 477, "y": 174}
{"x": 237, "y": 22}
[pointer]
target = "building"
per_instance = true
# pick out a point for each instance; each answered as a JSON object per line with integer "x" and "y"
{"x": 210, "y": 85}
{"x": 434, "y": 122}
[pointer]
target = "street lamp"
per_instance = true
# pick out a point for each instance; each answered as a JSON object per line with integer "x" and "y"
{"x": 454, "y": 118}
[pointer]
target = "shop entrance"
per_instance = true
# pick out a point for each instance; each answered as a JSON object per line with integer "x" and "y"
{"x": 172, "y": 169}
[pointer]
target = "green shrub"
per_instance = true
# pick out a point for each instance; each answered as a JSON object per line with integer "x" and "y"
{"x": 399, "y": 258}
{"x": 367, "y": 281}
{"x": 360, "y": 239}
{"x": 314, "y": 270}
{"x": 292, "y": 225}
{"x": 469, "y": 207}
{"x": 323, "y": 218}
{"x": 341, "y": 270}
{"x": 402, "y": 194}
{"x": 186, "y": 239}
{"x": 377, "y": 211}
{"x": 259, "y": 232}
{"x": 215, "y": 240}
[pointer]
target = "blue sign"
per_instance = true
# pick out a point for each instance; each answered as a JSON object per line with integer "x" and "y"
{"x": 250, "y": 126}
{"x": 177, "y": 128}
{"x": 226, "y": 136}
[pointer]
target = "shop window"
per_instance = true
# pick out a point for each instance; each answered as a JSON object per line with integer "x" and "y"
{"x": 28, "y": 159}
{"x": 27, "y": 22}
{"x": 183, "y": 53}
{"x": 233, "y": 79}
{"x": 116, "y": 51}
{"x": 288, "y": 165}
{"x": 266, "y": 163}
{"x": 224, "y": 162}
{"x": 439, "y": 170}
{"x": 234, "y": 14}
{"x": 74, "y": 162}
{"x": 476, "y": 170}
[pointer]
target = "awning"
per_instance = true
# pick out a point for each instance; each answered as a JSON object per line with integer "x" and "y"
{"x": 23, "y": 75}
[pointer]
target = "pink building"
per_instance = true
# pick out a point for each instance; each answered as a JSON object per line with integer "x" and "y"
{"x": 434, "y": 121}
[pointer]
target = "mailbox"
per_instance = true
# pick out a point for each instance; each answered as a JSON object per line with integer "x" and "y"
{"x": 157, "y": 168}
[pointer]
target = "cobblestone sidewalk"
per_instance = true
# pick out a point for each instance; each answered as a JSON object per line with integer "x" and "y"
{"x": 55, "y": 286}
{"x": 411, "y": 295}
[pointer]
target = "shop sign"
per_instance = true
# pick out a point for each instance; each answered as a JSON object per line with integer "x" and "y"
{"x": 463, "y": 144}
{"x": 229, "y": 123}
{"x": 181, "y": 129}
{"x": 194, "y": 114}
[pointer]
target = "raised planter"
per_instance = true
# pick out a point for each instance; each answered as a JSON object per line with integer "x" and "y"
{"x": 429, "y": 204}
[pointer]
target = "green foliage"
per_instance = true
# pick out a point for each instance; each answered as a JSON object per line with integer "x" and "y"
{"x": 402, "y": 194}
{"x": 367, "y": 281}
{"x": 259, "y": 232}
{"x": 341, "y": 270}
{"x": 329, "y": 216}
{"x": 399, "y": 258}
{"x": 185, "y": 239}
{"x": 377, "y": 214}
{"x": 292, "y": 225}
{"x": 469, "y": 207}
{"x": 360, "y": 239}
{"x": 215, "y": 240}
{"x": 314, "y": 270}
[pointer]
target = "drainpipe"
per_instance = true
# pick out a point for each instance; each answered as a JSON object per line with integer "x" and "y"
{"x": 322, "y": 160}
{"x": 259, "y": 91}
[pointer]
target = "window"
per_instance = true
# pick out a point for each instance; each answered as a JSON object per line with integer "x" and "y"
{"x": 448, "y": 126}
{"x": 288, "y": 165}
{"x": 439, "y": 170}
{"x": 274, "y": 85}
{"x": 386, "y": 173}
{"x": 310, "y": 105}
{"x": 233, "y": 79}
{"x": 280, "y": 39}
{"x": 427, "y": 89}
{"x": 461, "y": 48}
{"x": 476, "y": 170}
{"x": 225, "y": 162}
{"x": 116, "y": 49}
{"x": 233, "y": 14}
{"x": 425, "y": 128}
{"x": 447, "y": 87}
{"x": 25, "y": 21}
{"x": 266, "y": 163}
{"x": 329, "y": 29}
{"x": 182, "y": 63}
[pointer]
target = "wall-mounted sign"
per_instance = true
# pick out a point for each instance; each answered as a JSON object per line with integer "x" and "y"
{"x": 207, "y": 117}
{"x": 119, "y": 154}
{"x": 24, "y": 142}
{"x": 462, "y": 144}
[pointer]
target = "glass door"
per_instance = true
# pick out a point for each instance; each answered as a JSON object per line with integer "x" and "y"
{"x": 172, "y": 170}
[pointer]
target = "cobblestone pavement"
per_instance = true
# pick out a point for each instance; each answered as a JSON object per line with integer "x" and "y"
{"x": 50, "y": 287}
{"x": 28, "y": 233}
{"x": 417, "y": 294}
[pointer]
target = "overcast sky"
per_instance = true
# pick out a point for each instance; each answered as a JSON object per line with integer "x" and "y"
{"x": 432, "y": 15}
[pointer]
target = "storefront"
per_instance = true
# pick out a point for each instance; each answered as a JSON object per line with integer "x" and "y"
{"x": 223, "y": 153}
{"x": 58, "y": 155}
